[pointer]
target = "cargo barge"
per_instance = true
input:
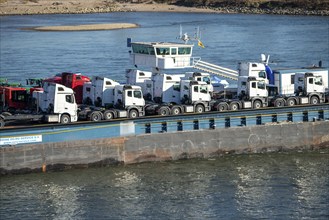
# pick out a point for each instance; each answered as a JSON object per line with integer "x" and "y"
{"x": 177, "y": 118}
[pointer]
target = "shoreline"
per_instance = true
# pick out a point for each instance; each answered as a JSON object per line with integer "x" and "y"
{"x": 34, "y": 7}
{"x": 89, "y": 27}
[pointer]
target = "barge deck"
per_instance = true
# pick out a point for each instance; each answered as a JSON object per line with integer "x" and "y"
{"x": 26, "y": 149}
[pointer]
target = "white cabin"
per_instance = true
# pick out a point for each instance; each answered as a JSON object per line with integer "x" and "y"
{"x": 161, "y": 55}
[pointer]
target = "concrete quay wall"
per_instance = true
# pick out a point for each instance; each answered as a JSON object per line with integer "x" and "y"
{"x": 205, "y": 143}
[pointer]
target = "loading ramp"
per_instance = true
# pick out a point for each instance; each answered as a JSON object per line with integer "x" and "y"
{"x": 215, "y": 69}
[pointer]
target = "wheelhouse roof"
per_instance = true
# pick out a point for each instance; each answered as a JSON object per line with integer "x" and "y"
{"x": 163, "y": 44}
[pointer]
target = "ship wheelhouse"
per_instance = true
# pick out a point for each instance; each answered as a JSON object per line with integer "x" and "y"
{"x": 161, "y": 55}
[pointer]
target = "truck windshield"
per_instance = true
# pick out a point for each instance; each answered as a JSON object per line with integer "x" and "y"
{"x": 69, "y": 98}
{"x": 203, "y": 89}
{"x": 261, "y": 85}
{"x": 318, "y": 80}
{"x": 206, "y": 79}
{"x": 137, "y": 94}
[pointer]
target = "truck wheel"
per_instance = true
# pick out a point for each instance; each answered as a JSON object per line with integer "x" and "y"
{"x": 199, "y": 109}
{"x": 65, "y": 119}
{"x": 257, "y": 104}
{"x": 175, "y": 111}
{"x": 163, "y": 111}
{"x": 96, "y": 116}
{"x": 221, "y": 107}
{"x": 314, "y": 100}
{"x": 108, "y": 115}
{"x": 133, "y": 113}
{"x": 291, "y": 102}
{"x": 234, "y": 106}
{"x": 279, "y": 103}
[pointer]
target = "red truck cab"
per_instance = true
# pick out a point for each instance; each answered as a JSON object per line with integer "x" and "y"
{"x": 74, "y": 81}
{"x": 13, "y": 98}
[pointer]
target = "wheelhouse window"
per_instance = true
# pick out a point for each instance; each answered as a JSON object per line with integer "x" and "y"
{"x": 163, "y": 50}
{"x": 173, "y": 51}
{"x": 143, "y": 49}
{"x": 184, "y": 50}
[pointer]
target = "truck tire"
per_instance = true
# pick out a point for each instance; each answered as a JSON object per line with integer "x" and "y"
{"x": 175, "y": 110}
{"x": 108, "y": 115}
{"x": 291, "y": 102}
{"x": 65, "y": 119}
{"x": 133, "y": 113}
{"x": 221, "y": 107}
{"x": 257, "y": 104}
{"x": 164, "y": 111}
{"x": 199, "y": 109}
{"x": 279, "y": 103}
{"x": 234, "y": 106}
{"x": 95, "y": 116}
{"x": 314, "y": 100}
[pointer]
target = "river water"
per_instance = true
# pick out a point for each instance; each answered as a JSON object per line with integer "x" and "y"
{"x": 260, "y": 186}
{"x": 292, "y": 41}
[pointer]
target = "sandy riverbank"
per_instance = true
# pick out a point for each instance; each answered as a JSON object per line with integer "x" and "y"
{"x": 29, "y": 7}
{"x": 24, "y": 7}
{"x": 87, "y": 27}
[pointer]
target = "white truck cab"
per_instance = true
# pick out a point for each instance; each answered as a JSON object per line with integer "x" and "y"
{"x": 194, "y": 91}
{"x": 308, "y": 83}
{"x": 128, "y": 95}
{"x": 99, "y": 91}
{"x": 58, "y": 101}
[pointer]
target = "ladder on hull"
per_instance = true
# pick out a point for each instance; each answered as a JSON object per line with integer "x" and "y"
{"x": 215, "y": 69}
